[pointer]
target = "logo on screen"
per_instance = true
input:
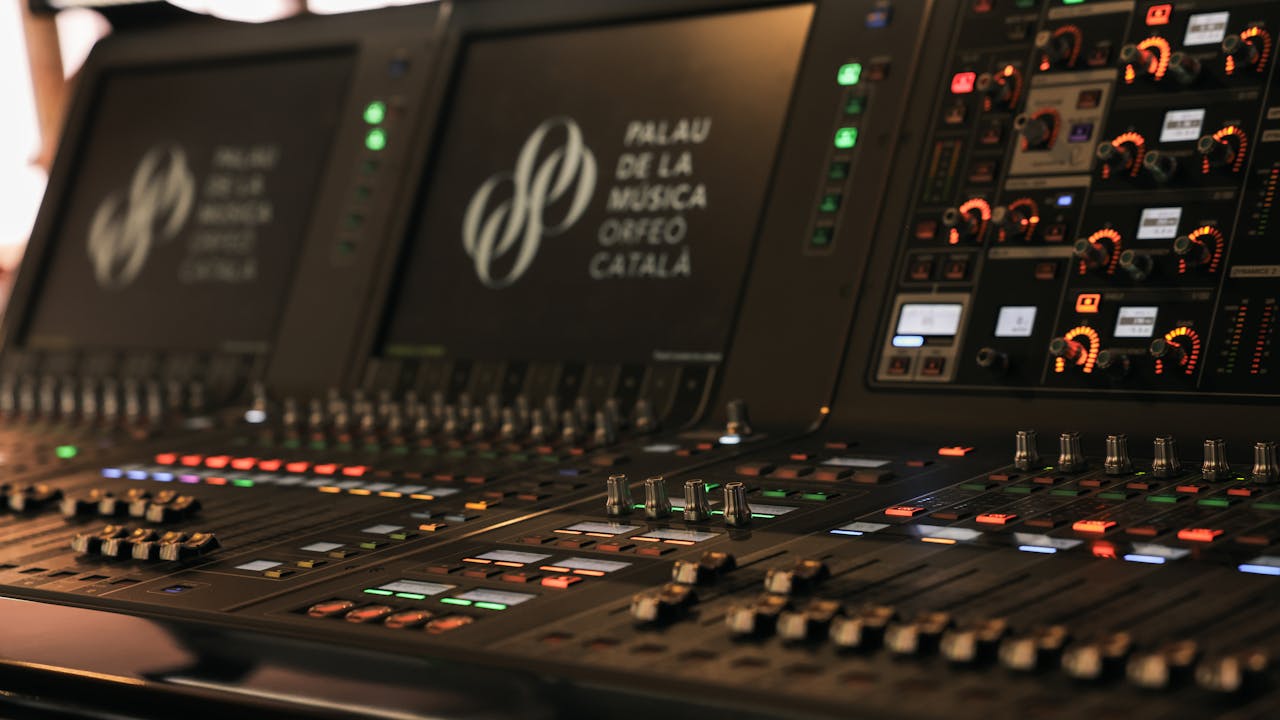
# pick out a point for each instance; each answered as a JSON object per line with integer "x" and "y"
{"x": 542, "y": 197}
{"x": 129, "y": 223}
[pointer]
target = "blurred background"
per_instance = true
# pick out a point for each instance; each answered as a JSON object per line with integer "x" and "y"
{"x": 43, "y": 43}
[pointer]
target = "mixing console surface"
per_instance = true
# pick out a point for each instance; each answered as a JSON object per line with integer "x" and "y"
{"x": 432, "y": 396}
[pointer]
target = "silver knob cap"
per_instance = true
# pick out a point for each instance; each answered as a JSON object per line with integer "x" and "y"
{"x": 1215, "y": 465}
{"x": 1265, "y": 467}
{"x": 1166, "y": 463}
{"x": 736, "y": 511}
{"x": 1070, "y": 456}
{"x": 696, "y": 505}
{"x": 618, "y": 496}
{"x": 656, "y": 503}
{"x": 1026, "y": 455}
{"x": 1117, "y": 461}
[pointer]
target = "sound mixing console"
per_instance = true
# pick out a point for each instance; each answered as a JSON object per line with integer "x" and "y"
{"x": 499, "y": 358}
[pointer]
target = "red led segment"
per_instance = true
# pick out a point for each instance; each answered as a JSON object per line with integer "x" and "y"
{"x": 962, "y": 83}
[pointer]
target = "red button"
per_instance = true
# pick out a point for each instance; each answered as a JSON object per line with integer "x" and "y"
{"x": 560, "y": 582}
{"x": 217, "y": 462}
{"x": 297, "y": 467}
{"x": 325, "y": 469}
{"x": 996, "y": 518}
{"x": 1204, "y": 535}
{"x": 245, "y": 463}
{"x": 354, "y": 470}
{"x": 192, "y": 460}
{"x": 166, "y": 459}
{"x": 269, "y": 465}
{"x": 962, "y": 83}
{"x": 903, "y": 511}
{"x": 1096, "y": 527}
{"x": 954, "y": 451}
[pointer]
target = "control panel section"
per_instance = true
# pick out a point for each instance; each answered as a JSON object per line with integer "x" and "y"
{"x": 925, "y": 337}
{"x": 1099, "y": 212}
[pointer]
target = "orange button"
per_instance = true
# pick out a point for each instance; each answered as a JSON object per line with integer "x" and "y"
{"x": 192, "y": 460}
{"x": 996, "y": 518}
{"x": 217, "y": 462}
{"x": 269, "y": 465}
{"x": 954, "y": 451}
{"x": 560, "y": 582}
{"x": 354, "y": 470}
{"x": 297, "y": 467}
{"x": 244, "y": 463}
{"x": 1204, "y": 535}
{"x": 1093, "y": 526}
{"x": 1087, "y": 303}
{"x": 166, "y": 459}
{"x": 325, "y": 469}
{"x": 903, "y": 511}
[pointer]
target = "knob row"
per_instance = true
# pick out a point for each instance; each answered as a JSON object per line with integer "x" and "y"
{"x": 1165, "y": 463}
{"x": 657, "y": 504}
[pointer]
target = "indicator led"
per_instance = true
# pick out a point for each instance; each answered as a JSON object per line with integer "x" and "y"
{"x": 66, "y": 452}
{"x": 962, "y": 83}
{"x": 849, "y": 74}
{"x": 846, "y": 138}
{"x": 375, "y": 112}
{"x": 376, "y": 139}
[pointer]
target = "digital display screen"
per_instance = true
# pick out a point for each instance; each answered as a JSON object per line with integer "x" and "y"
{"x": 1159, "y": 223}
{"x": 1136, "y": 322}
{"x": 1182, "y": 125}
{"x": 580, "y": 563}
{"x": 192, "y": 191}
{"x": 416, "y": 587}
{"x": 1016, "y": 321}
{"x": 1207, "y": 28}
{"x": 596, "y": 191}
{"x": 930, "y": 319}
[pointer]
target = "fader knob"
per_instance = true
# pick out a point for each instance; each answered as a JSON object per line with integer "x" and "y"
{"x": 1166, "y": 463}
{"x": 1025, "y": 455}
{"x": 1161, "y": 165}
{"x": 1183, "y": 68}
{"x": 696, "y": 505}
{"x": 1215, "y": 466}
{"x": 1265, "y": 467}
{"x": 737, "y": 513}
{"x": 657, "y": 505}
{"x": 737, "y": 424}
{"x": 618, "y": 496}
{"x": 1117, "y": 461}
{"x": 1237, "y": 672}
{"x": 1137, "y": 265}
{"x": 1070, "y": 456}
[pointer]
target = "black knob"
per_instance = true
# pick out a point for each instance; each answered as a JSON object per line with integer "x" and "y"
{"x": 1117, "y": 461}
{"x": 1143, "y": 61}
{"x": 1166, "y": 463}
{"x": 1162, "y": 166}
{"x": 1094, "y": 255}
{"x": 1070, "y": 455}
{"x": 1243, "y": 52}
{"x": 617, "y": 496}
{"x": 1114, "y": 363}
{"x": 1215, "y": 466}
{"x": 1116, "y": 158}
{"x": 1059, "y": 49}
{"x": 1194, "y": 252}
{"x": 968, "y": 225}
{"x": 697, "y": 506}
{"x": 1036, "y": 130}
{"x": 1066, "y": 349}
{"x": 1184, "y": 68}
{"x": 1219, "y": 153}
{"x": 657, "y": 506}
{"x": 1266, "y": 469}
{"x": 1162, "y": 349}
{"x": 1026, "y": 455}
{"x": 737, "y": 513}
{"x": 996, "y": 89}
{"x": 1137, "y": 265}
{"x": 993, "y": 360}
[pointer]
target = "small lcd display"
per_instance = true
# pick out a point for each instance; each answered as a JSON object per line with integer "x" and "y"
{"x": 193, "y": 188}
{"x": 1206, "y": 28}
{"x": 1182, "y": 125}
{"x": 1136, "y": 322}
{"x": 1016, "y": 321}
{"x": 930, "y": 319}
{"x": 596, "y": 191}
{"x": 1159, "y": 223}
{"x": 502, "y": 597}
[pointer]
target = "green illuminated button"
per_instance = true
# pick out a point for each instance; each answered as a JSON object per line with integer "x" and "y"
{"x": 411, "y": 596}
{"x": 855, "y": 105}
{"x": 1166, "y": 499}
{"x": 846, "y": 137}
{"x": 817, "y": 496}
{"x": 242, "y": 482}
{"x": 821, "y": 237}
{"x": 838, "y": 171}
{"x": 455, "y": 601}
{"x": 375, "y": 112}
{"x": 378, "y": 591}
{"x": 1270, "y": 506}
{"x": 491, "y": 605}
{"x": 66, "y": 452}
{"x": 1216, "y": 502}
{"x": 769, "y": 494}
{"x": 376, "y": 139}
{"x": 830, "y": 203}
{"x": 849, "y": 74}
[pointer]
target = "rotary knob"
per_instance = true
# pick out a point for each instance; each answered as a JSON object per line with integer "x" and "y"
{"x": 1162, "y": 166}
{"x": 1215, "y": 466}
{"x": 1036, "y": 130}
{"x": 1114, "y": 363}
{"x": 696, "y": 505}
{"x": 992, "y": 360}
{"x": 1070, "y": 455}
{"x": 1192, "y": 251}
{"x": 1137, "y": 265}
{"x": 1066, "y": 349}
{"x": 1094, "y": 255}
{"x": 1025, "y": 455}
{"x": 1218, "y": 153}
{"x": 1184, "y": 68}
{"x": 968, "y": 225}
{"x": 1265, "y": 467}
{"x": 1060, "y": 48}
{"x": 1241, "y": 51}
{"x": 996, "y": 88}
{"x": 1116, "y": 158}
{"x": 1117, "y": 461}
{"x": 737, "y": 513}
{"x": 617, "y": 496}
{"x": 1166, "y": 463}
{"x": 1162, "y": 349}
{"x": 657, "y": 506}
{"x": 1143, "y": 61}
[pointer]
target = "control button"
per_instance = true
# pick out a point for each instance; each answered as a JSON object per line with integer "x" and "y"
{"x": 838, "y": 170}
{"x": 956, "y": 269}
{"x": 920, "y": 270}
{"x": 792, "y": 472}
{"x": 440, "y": 625}
{"x": 955, "y": 451}
{"x": 926, "y": 229}
{"x": 1093, "y": 527}
{"x": 996, "y": 518}
{"x": 877, "y": 70}
{"x": 561, "y": 582}
{"x": 955, "y": 113}
{"x": 330, "y": 608}
{"x": 933, "y": 366}
{"x": 904, "y": 511}
{"x": 1200, "y": 535}
{"x": 368, "y": 613}
{"x": 879, "y": 17}
{"x": 406, "y": 619}
{"x": 1046, "y": 270}
{"x": 662, "y": 605}
{"x": 992, "y": 133}
{"x": 1055, "y": 233}
{"x": 983, "y": 172}
{"x": 899, "y": 365}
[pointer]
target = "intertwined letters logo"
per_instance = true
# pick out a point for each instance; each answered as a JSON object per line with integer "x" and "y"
{"x": 513, "y": 228}
{"x": 155, "y": 208}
